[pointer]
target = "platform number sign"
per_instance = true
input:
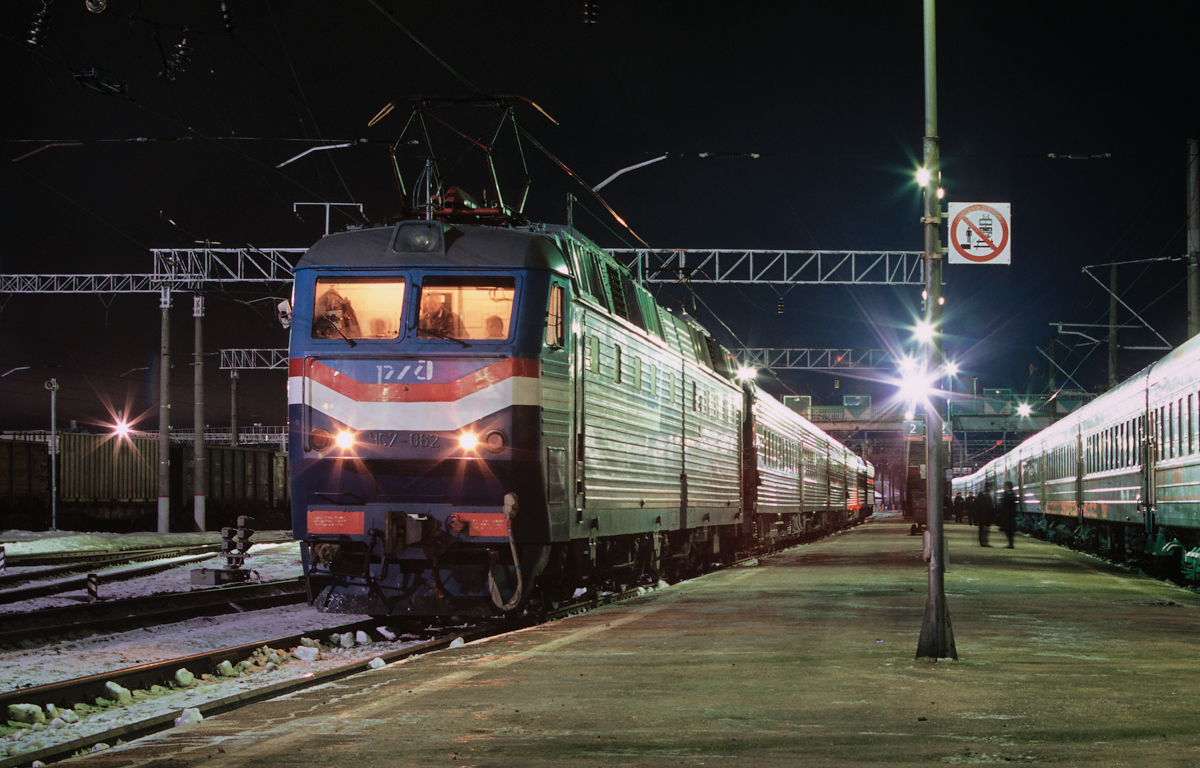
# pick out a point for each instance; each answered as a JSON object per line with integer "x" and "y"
{"x": 980, "y": 233}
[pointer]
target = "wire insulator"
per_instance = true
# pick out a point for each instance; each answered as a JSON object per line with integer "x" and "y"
{"x": 40, "y": 21}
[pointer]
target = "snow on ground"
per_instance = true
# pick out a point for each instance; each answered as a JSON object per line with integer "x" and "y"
{"x": 95, "y": 655}
{"x": 270, "y": 562}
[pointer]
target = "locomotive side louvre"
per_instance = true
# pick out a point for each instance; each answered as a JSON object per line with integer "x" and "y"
{"x": 660, "y": 431}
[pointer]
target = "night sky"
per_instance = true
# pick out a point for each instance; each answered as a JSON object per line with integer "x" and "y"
{"x": 829, "y": 95}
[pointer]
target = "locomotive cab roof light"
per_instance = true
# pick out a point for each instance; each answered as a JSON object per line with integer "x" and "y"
{"x": 746, "y": 373}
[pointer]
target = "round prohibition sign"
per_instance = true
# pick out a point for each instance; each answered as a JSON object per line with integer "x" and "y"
{"x": 995, "y": 248}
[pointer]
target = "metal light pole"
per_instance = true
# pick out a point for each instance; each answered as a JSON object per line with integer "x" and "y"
{"x": 164, "y": 416}
{"x": 52, "y": 385}
{"x": 1193, "y": 238}
{"x": 198, "y": 477}
{"x": 937, "y": 637}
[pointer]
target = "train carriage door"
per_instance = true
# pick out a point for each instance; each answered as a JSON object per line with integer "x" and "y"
{"x": 1078, "y": 468}
{"x": 559, "y": 423}
{"x": 1149, "y": 456}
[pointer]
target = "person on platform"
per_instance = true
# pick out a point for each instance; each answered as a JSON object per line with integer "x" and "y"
{"x": 971, "y": 508}
{"x": 985, "y": 508}
{"x": 1006, "y": 517}
{"x": 960, "y": 508}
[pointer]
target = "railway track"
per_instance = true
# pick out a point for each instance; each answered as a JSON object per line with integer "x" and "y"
{"x": 48, "y": 625}
{"x": 88, "y": 558}
{"x": 63, "y": 576}
{"x": 207, "y": 666}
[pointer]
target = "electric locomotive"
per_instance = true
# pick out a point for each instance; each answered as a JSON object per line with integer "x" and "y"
{"x": 1120, "y": 475}
{"x": 476, "y": 411}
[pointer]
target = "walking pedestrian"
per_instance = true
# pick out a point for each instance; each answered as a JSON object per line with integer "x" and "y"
{"x": 1006, "y": 519}
{"x": 984, "y": 510}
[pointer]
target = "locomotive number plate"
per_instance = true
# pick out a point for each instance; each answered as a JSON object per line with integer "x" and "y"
{"x": 401, "y": 439}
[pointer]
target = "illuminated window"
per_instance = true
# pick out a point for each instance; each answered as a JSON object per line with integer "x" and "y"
{"x": 555, "y": 324}
{"x": 357, "y": 309}
{"x": 466, "y": 308}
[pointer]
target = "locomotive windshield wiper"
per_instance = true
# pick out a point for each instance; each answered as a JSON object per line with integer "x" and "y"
{"x": 435, "y": 332}
{"x": 335, "y": 327}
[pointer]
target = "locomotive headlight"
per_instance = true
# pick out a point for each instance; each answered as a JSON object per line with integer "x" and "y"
{"x": 468, "y": 441}
{"x": 495, "y": 441}
{"x": 345, "y": 439}
{"x": 320, "y": 440}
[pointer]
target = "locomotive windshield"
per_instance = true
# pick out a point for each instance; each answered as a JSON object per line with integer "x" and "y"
{"x": 358, "y": 309}
{"x": 466, "y": 307}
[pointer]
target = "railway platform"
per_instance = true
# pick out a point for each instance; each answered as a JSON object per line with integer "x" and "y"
{"x": 807, "y": 658}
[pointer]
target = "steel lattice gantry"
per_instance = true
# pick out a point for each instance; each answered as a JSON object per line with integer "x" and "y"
{"x": 818, "y": 359}
{"x": 254, "y": 359}
{"x": 791, "y": 267}
{"x": 184, "y": 269}
{"x": 192, "y": 269}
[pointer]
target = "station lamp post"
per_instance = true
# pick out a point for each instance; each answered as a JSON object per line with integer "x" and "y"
{"x": 937, "y": 638}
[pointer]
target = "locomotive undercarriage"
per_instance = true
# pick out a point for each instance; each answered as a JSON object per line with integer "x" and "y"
{"x": 347, "y": 576}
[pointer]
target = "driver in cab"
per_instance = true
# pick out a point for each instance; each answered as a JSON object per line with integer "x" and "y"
{"x": 437, "y": 321}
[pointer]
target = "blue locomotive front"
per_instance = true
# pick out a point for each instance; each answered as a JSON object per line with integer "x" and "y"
{"x": 415, "y": 395}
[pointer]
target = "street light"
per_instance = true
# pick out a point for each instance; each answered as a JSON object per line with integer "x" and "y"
{"x": 52, "y": 385}
{"x": 937, "y": 636}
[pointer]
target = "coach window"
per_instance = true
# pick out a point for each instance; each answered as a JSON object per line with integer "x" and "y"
{"x": 357, "y": 309}
{"x": 1191, "y": 425}
{"x": 1170, "y": 430}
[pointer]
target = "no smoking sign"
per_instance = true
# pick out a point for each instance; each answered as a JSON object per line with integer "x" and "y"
{"x": 979, "y": 233}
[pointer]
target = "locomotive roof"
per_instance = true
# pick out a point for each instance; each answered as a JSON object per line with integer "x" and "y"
{"x": 461, "y": 246}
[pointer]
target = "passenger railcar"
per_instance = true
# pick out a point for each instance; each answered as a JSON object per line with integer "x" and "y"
{"x": 1121, "y": 474}
{"x": 478, "y": 410}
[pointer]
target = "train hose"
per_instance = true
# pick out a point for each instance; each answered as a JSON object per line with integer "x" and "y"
{"x": 510, "y": 511}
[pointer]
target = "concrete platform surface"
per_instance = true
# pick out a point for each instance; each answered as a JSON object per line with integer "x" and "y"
{"x": 805, "y": 659}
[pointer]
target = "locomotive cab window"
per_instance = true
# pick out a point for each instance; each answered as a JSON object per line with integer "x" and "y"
{"x": 466, "y": 308}
{"x": 555, "y": 330}
{"x": 357, "y": 309}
